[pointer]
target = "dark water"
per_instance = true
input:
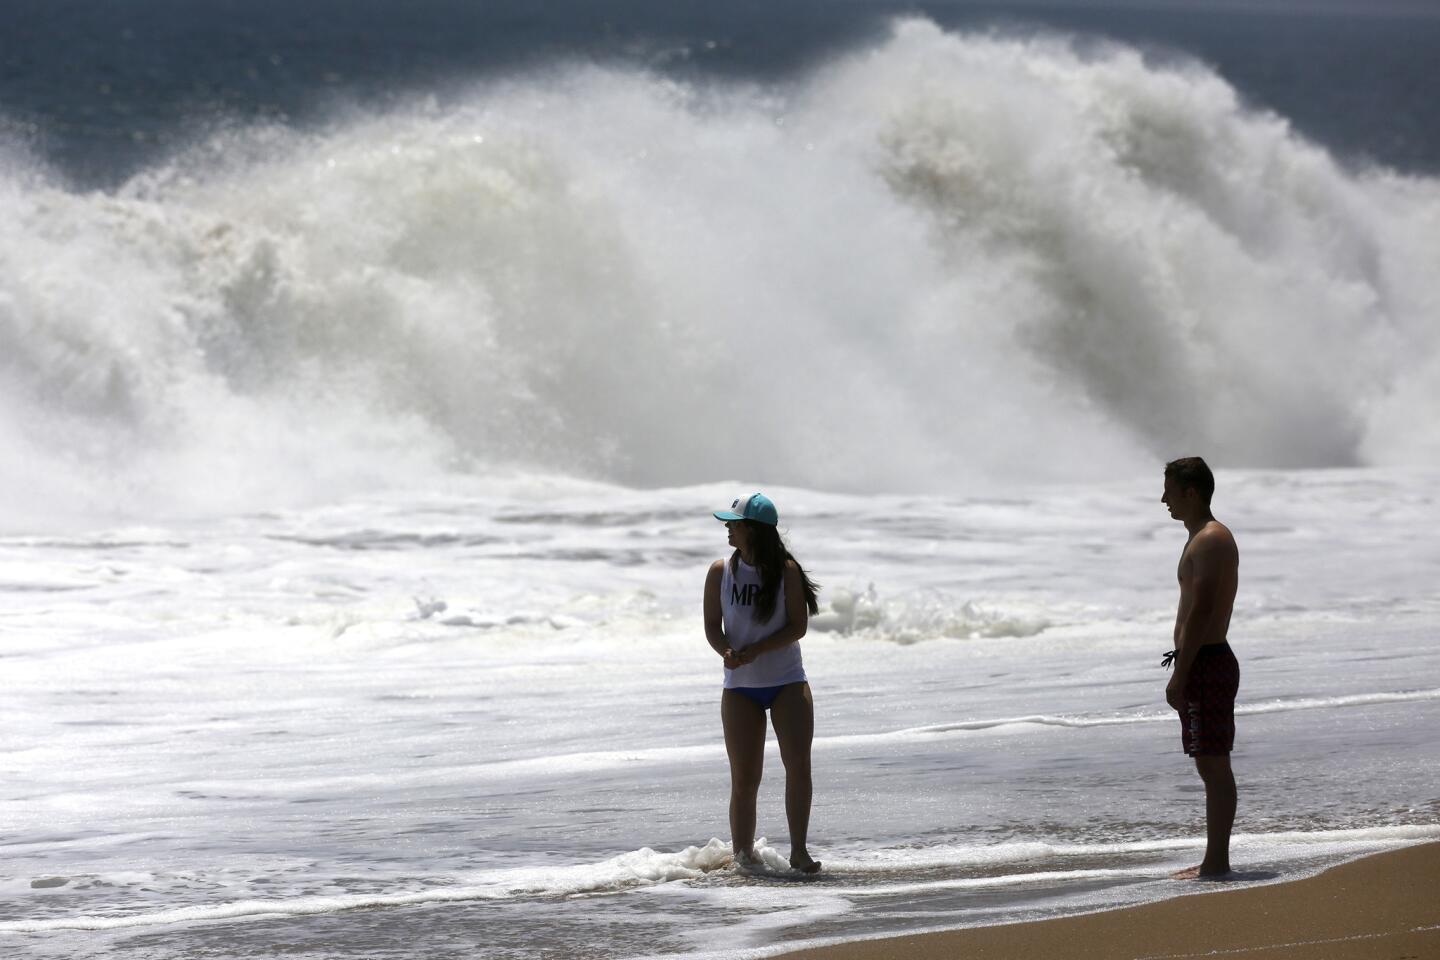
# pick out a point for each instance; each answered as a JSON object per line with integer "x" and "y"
{"x": 99, "y": 88}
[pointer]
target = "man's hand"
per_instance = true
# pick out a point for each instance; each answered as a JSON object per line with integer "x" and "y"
{"x": 1175, "y": 692}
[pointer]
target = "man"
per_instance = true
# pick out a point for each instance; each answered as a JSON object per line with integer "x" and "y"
{"x": 1206, "y": 672}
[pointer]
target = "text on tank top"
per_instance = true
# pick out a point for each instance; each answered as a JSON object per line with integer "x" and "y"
{"x": 739, "y": 596}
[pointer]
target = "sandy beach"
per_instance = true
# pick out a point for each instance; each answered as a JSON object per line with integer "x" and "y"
{"x": 1383, "y": 907}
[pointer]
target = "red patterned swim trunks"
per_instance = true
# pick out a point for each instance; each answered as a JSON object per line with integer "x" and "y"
{"x": 1207, "y": 724}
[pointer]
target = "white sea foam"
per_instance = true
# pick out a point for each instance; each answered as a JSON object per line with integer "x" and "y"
{"x": 1281, "y": 705}
{"x": 864, "y": 613}
{"x": 628, "y": 870}
{"x": 979, "y": 253}
{"x": 646, "y": 867}
{"x": 1002, "y": 854}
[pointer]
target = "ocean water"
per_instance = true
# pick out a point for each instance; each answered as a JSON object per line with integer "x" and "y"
{"x": 485, "y": 723}
{"x": 366, "y": 382}
{"x": 998, "y": 257}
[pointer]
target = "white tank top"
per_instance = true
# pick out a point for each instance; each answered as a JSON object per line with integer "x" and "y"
{"x": 739, "y": 592}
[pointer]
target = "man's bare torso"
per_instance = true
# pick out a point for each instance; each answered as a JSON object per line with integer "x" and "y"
{"x": 1209, "y": 572}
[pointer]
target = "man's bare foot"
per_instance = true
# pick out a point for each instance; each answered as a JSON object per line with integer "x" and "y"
{"x": 1200, "y": 873}
{"x": 801, "y": 861}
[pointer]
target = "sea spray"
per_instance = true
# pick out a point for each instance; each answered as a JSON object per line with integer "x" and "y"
{"x": 944, "y": 260}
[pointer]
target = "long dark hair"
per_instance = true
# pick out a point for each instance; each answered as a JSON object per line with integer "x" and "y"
{"x": 770, "y": 558}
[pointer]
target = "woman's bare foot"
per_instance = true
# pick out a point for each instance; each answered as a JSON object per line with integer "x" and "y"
{"x": 1200, "y": 873}
{"x": 800, "y": 860}
{"x": 747, "y": 860}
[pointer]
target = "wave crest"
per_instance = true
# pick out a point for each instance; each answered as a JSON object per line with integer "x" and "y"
{"x": 982, "y": 256}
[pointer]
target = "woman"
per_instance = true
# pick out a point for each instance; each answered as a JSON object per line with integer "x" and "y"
{"x": 757, "y": 605}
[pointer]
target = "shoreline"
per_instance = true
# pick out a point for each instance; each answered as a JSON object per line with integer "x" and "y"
{"x": 1385, "y": 906}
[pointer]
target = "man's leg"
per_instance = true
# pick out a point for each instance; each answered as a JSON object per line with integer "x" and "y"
{"x": 1220, "y": 801}
{"x": 744, "y": 723}
{"x": 1208, "y": 734}
{"x": 793, "y": 714}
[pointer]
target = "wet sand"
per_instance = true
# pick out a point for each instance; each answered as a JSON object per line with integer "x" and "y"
{"x": 1384, "y": 907}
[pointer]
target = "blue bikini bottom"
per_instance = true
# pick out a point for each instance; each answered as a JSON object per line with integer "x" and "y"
{"x": 763, "y": 696}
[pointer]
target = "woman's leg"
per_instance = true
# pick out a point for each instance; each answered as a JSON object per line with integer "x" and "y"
{"x": 793, "y": 714}
{"x": 744, "y": 722}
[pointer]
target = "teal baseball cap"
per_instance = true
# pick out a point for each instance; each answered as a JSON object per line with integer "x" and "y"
{"x": 755, "y": 507}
